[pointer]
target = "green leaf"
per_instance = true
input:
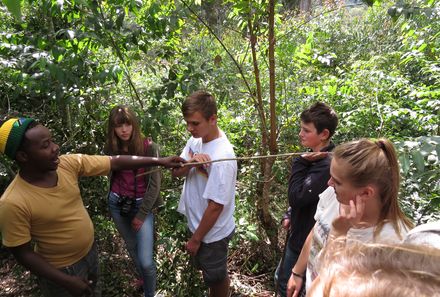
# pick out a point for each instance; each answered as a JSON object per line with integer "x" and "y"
{"x": 120, "y": 18}
{"x": 422, "y": 47}
{"x": 418, "y": 160}
{"x": 255, "y": 267}
{"x": 116, "y": 73}
{"x": 14, "y": 7}
{"x": 404, "y": 162}
{"x": 251, "y": 235}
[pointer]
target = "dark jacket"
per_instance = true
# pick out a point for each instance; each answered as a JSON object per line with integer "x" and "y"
{"x": 307, "y": 181}
{"x": 152, "y": 198}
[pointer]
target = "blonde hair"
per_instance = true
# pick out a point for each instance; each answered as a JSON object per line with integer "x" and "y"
{"x": 370, "y": 270}
{"x": 122, "y": 114}
{"x": 375, "y": 162}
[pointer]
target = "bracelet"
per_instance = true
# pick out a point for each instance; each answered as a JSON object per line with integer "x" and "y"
{"x": 297, "y": 274}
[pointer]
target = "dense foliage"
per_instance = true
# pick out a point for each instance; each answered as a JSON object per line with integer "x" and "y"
{"x": 67, "y": 63}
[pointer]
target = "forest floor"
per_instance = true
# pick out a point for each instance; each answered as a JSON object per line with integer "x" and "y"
{"x": 17, "y": 282}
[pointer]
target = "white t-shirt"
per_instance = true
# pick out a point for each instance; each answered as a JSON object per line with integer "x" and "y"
{"x": 326, "y": 211}
{"x": 216, "y": 183}
{"x": 426, "y": 234}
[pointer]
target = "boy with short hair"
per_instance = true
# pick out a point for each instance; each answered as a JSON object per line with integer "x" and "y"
{"x": 208, "y": 195}
{"x": 43, "y": 204}
{"x": 309, "y": 176}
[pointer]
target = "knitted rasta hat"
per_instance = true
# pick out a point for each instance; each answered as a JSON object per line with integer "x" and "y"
{"x": 11, "y": 135}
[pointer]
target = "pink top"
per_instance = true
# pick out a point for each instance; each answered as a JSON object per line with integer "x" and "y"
{"x": 123, "y": 183}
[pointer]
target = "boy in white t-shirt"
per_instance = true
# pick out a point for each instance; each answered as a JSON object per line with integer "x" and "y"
{"x": 208, "y": 195}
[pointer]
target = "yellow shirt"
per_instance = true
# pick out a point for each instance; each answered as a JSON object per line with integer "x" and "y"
{"x": 55, "y": 218}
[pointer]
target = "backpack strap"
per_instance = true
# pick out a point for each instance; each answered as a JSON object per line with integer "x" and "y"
{"x": 147, "y": 146}
{"x": 148, "y": 151}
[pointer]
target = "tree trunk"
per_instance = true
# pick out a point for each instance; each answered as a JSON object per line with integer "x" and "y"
{"x": 268, "y": 142}
{"x": 273, "y": 147}
{"x": 263, "y": 202}
{"x": 305, "y": 5}
{"x": 268, "y": 129}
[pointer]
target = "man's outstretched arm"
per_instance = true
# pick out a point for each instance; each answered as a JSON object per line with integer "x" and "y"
{"x": 122, "y": 162}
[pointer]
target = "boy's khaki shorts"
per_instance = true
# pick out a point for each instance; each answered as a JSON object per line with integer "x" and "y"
{"x": 212, "y": 260}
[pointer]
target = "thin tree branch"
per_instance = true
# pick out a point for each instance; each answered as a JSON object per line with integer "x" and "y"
{"x": 230, "y": 159}
{"x": 273, "y": 118}
{"x": 122, "y": 59}
{"x": 240, "y": 70}
{"x": 259, "y": 105}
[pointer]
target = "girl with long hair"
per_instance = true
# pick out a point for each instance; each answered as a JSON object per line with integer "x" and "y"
{"x": 132, "y": 200}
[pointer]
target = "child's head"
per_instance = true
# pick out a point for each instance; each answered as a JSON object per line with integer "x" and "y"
{"x": 321, "y": 116}
{"x": 363, "y": 165}
{"x": 200, "y": 113}
{"x": 122, "y": 114}
{"x": 369, "y": 270}
{"x": 123, "y": 132}
{"x": 318, "y": 124}
{"x": 202, "y": 102}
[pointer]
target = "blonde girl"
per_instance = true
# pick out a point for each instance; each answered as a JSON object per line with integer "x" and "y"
{"x": 369, "y": 270}
{"x": 361, "y": 203}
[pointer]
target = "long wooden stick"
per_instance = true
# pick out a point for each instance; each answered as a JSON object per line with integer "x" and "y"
{"x": 229, "y": 159}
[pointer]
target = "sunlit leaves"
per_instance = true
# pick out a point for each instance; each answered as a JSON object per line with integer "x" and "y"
{"x": 71, "y": 59}
{"x": 14, "y": 7}
{"x": 420, "y": 162}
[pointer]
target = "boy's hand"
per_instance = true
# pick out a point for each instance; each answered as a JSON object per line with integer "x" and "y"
{"x": 314, "y": 156}
{"x": 200, "y": 158}
{"x": 192, "y": 246}
{"x": 286, "y": 224}
{"x": 172, "y": 162}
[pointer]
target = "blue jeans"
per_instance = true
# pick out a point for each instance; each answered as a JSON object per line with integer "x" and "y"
{"x": 140, "y": 245}
{"x": 282, "y": 274}
{"x": 86, "y": 268}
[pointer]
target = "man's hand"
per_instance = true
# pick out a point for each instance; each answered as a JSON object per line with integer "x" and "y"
{"x": 172, "y": 162}
{"x": 294, "y": 285}
{"x": 136, "y": 224}
{"x": 314, "y": 156}
{"x": 192, "y": 246}
{"x": 26, "y": 256}
{"x": 78, "y": 286}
